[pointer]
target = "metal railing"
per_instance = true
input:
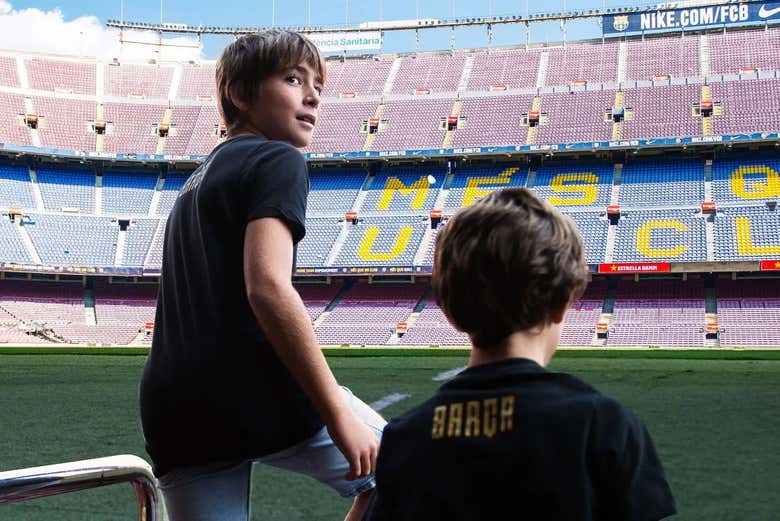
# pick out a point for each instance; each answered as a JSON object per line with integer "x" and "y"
{"x": 30, "y": 483}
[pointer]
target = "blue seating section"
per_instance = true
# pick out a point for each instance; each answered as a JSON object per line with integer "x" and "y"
{"x": 333, "y": 191}
{"x": 154, "y": 258}
{"x": 67, "y": 188}
{"x": 315, "y": 247}
{"x": 399, "y": 189}
{"x": 748, "y": 233}
{"x": 128, "y": 193}
{"x": 662, "y": 183}
{"x": 11, "y": 244}
{"x": 15, "y": 189}
{"x": 669, "y": 236}
{"x": 395, "y": 241}
{"x": 575, "y": 183}
{"x": 67, "y": 240}
{"x": 138, "y": 238}
{"x": 593, "y": 228}
{"x": 747, "y": 182}
{"x": 170, "y": 191}
{"x": 660, "y": 218}
{"x": 470, "y": 184}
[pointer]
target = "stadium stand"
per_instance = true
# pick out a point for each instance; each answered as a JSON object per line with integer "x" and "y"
{"x": 749, "y": 312}
{"x": 66, "y": 240}
{"x": 401, "y": 190}
{"x": 732, "y": 51}
{"x": 138, "y": 81}
{"x": 593, "y": 63}
{"x": 66, "y": 124}
{"x": 15, "y": 187}
{"x": 503, "y": 69}
{"x": 593, "y": 228}
{"x": 12, "y": 113}
{"x": 746, "y": 180}
{"x": 75, "y": 77}
{"x": 205, "y": 133}
{"x": 413, "y": 124}
{"x": 380, "y": 241}
{"x": 317, "y": 297}
{"x": 67, "y": 188}
{"x": 651, "y": 57}
{"x": 748, "y": 106}
{"x": 181, "y": 128}
{"x": 663, "y": 313}
{"x": 8, "y": 74}
{"x": 74, "y": 216}
{"x": 470, "y": 183}
{"x": 333, "y": 192}
{"x": 368, "y": 313}
{"x": 658, "y": 235}
{"x": 581, "y": 319}
{"x": 140, "y": 233}
{"x": 339, "y": 126}
{"x": 434, "y": 73}
{"x": 321, "y": 235}
{"x": 747, "y": 233}
{"x": 197, "y": 81}
{"x": 575, "y": 184}
{"x": 170, "y": 191}
{"x": 575, "y": 116}
{"x": 492, "y": 121}
{"x": 662, "y": 183}
{"x": 128, "y": 192}
{"x": 11, "y": 243}
{"x": 356, "y": 78}
{"x": 661, "y": 112}
{"x": 432, "y": 328}
{"x": 133, "y": 127}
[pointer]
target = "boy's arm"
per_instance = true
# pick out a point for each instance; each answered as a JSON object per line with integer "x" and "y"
{"x": 268, "y": 263}
{"x": 630, "y": 481}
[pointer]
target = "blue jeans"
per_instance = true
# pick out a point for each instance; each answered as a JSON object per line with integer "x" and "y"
{"x": 220, "y": 491}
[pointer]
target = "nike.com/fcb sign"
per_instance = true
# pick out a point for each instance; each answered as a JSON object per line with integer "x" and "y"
{"x": 692, "y": 17}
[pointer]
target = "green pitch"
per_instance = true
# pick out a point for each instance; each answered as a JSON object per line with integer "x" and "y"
{"x": 716, "y": 424}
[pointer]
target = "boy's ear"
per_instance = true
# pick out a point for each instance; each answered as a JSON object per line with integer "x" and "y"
{"x": 557, "y": 315}
{"x": 241, "y": 104}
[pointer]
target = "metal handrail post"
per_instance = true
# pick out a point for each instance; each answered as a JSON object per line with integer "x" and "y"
{"x": 35, "y": 482}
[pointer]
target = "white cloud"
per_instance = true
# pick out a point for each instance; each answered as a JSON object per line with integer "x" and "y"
{"x": 47, "y": 31}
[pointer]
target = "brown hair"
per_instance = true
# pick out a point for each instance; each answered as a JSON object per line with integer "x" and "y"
{"x": 252, "y": 58}
{"x": 505, "y": 264}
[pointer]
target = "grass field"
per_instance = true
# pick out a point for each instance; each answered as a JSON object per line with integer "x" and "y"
{"x": 716, "y": 424}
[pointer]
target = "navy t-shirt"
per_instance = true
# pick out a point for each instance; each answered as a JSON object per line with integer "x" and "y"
{"x": 213, "y": 389}
{"x": 510, "y": 440}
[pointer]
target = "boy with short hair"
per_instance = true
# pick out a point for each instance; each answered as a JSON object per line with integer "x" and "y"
{"x": 235, "y": 374}
{"x": 506, "y": 438}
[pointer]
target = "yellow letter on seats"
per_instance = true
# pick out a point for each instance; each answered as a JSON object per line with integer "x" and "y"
{"x": 757, "y": 190}
{"x": 586, "y": 187}
{"x": 745, "y": 246}
{"x": 393, "y": 185}
{"x": 473, "y": 184}
{"x": 401, "y": 241}
{"x": 643, "y": 235}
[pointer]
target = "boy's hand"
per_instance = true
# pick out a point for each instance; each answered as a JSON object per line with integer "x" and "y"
{"x": 357, "y": 442}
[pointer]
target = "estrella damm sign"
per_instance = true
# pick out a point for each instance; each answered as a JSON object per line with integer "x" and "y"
{"x": 635, "y": 267}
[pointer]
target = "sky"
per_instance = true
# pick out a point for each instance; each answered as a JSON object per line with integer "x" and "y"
{"x": 77, "y": 27}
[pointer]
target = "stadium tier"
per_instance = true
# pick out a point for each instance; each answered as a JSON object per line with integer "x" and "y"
{"x": 663, "y": 87}
{"x": 77, "y": 216}
{"x": 684, "y": 210}
{"x": 664, "y": 313}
